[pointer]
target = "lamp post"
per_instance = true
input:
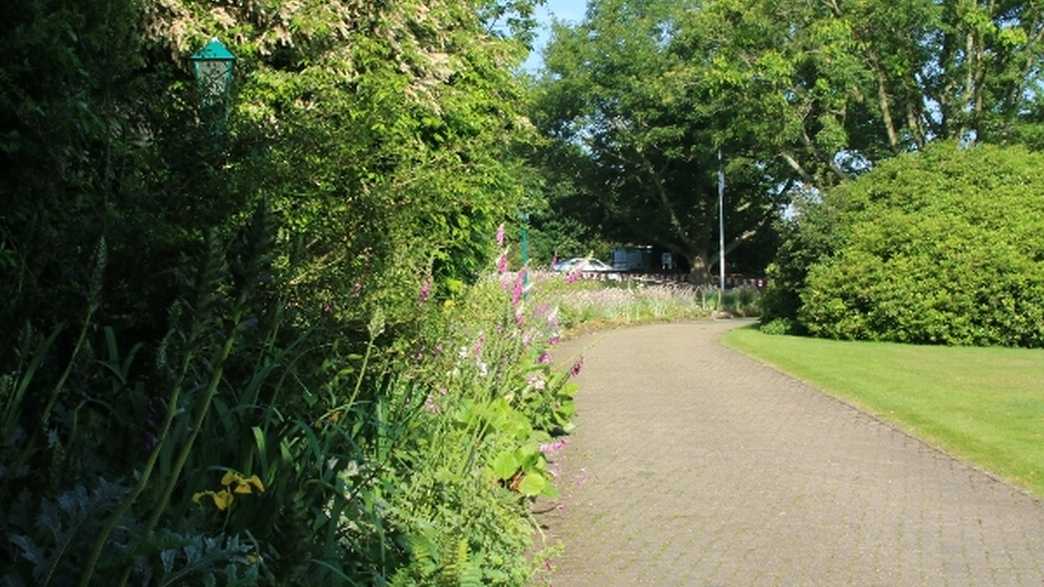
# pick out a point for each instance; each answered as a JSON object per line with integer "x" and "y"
{"x": 721, "y": 228}
{"x": 213, "y": 66}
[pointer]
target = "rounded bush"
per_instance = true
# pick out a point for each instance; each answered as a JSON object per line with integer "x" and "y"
{"x": 945, "y": 246}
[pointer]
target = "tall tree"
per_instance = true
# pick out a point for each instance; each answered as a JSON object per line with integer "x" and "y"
{"x": 612, "y": 95}
{"x": 800, "y": 95}
{"x": 831, "y": 86}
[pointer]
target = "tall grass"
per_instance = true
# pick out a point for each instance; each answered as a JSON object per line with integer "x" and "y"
{"x": 590, "y": 302}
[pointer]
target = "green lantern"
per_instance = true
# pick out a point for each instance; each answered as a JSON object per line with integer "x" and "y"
{"x": 213, "y": 66}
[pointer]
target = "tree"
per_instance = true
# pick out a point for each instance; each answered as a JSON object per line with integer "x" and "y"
{"x": 612, "y": 98}
{"x": 831, "y": 87}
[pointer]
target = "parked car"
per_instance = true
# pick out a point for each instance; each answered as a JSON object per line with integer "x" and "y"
{"x": 586, "y": 265}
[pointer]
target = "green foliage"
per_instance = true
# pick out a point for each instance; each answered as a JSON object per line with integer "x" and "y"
{"x": 777, "y": 326}
{"x": 827, "y": 87}
{"x": 630, "y": 153}
{"x": 800, "y": 96}
{"x": 941, "y": 247}
{"x": 182, "y": 301}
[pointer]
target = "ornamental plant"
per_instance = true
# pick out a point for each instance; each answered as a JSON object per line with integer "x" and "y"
{"x": 939, "y": 247}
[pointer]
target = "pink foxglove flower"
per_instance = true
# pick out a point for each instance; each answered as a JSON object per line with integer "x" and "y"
{"x": 425, "y": 291}
{"x": 502, "y": 263}
{"x": 500, "y": 235}
{"x": 479, "y": 343}
{"x": 577, "y": 367}
{"x": 516, "y": 291}
{"x": 544, "y": 358}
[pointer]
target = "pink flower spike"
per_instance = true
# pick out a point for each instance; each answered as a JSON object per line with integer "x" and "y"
{"x": 516, "y": 291}
{"x": 502, "y": 263}
{"x": 500, "y": 235}
{"x": 577, "y": 367}
{"x": 425, "y": 291}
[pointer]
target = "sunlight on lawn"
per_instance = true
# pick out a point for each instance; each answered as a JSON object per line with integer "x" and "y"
{"x": 983, "y": 404}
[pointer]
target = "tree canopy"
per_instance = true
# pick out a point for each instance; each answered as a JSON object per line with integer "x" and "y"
{"x": 798, "y": 95}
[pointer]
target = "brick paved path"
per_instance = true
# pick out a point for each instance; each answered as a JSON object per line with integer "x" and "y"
{"x": 693, "y": 465}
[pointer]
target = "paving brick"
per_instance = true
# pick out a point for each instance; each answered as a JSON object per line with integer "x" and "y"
{"x": 694, "y": 465}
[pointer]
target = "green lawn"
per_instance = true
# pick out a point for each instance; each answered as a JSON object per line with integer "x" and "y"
{"x": 983, "y": 404}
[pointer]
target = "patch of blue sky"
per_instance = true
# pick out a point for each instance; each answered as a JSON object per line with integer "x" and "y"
{"x": 564, "y": 10}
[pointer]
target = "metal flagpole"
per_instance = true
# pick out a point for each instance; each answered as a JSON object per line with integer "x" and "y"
{"x": 721, "y": 226}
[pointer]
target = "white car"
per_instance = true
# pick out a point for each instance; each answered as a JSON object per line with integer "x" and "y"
{"x": 586, "y": 265}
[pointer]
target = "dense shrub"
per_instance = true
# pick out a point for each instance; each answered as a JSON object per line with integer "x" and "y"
{"x": 212, "y": 324}
{"x": 944, "y": 246}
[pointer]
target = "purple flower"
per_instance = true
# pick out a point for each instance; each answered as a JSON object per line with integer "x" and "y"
{"x": 572, "y": 276}
{"x": 500, "y": 235}
{"x": 479, "y": 343}
{"x": 544, "y": 358}
{"x": 554, "y": 339}
{"x": 425, "y": 291}
{"x": 502, "y": 263}
{"x": 550, "y": 448}
{"x": 577, "y": 367}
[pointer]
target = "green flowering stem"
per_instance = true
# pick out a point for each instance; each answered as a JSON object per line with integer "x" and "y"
{"x": 197, "y": 425}
{"x": 150, "y": 464}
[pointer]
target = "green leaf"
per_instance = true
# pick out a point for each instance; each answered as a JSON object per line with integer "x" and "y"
{"x": 505, "y": 465}
{"x": 533, "y": 484}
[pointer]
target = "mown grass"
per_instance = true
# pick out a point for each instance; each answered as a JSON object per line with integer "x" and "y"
{"x": 985, "y": 405}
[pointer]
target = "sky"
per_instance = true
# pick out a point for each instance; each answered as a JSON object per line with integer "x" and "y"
{"x": 568, "y": 10}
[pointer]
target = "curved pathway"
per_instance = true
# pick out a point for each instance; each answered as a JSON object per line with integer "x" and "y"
{"x": 694, "y": 465}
